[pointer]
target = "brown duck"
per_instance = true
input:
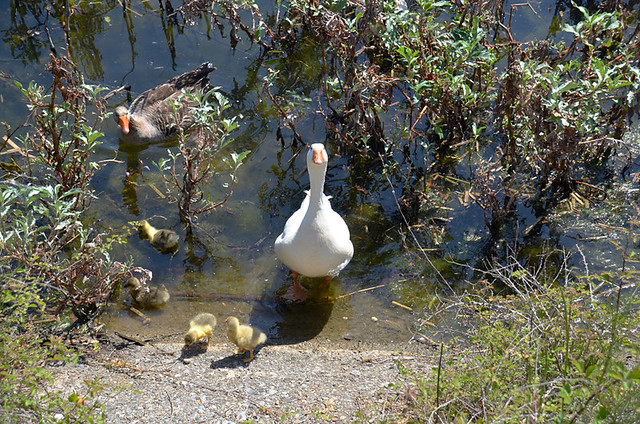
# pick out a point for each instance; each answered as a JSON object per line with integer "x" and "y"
{"x": 151, "y": 118}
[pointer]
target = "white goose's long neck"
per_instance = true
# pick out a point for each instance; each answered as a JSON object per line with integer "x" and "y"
{"x": 316, "y": 179}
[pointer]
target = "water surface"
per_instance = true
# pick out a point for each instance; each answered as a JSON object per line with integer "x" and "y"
{"x": 228, "y": 266}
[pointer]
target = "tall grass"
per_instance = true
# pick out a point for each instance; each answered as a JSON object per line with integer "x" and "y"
{"x": 556, "y": 350}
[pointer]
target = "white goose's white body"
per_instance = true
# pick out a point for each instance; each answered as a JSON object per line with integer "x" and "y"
{"x": 316, "y": 240}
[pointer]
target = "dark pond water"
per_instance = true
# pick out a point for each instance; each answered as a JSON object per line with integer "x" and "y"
{"x": 230, "y": 264}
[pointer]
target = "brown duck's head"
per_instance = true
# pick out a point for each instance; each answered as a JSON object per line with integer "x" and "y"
{"x": 121, "y": 115}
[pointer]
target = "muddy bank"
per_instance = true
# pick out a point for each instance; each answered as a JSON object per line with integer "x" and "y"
{"x": 313, "y": 381}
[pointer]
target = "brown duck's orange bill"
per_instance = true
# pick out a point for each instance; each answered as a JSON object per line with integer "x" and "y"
{"x": 123, "y": 121}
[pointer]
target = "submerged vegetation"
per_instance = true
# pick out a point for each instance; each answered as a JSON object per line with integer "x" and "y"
{"x": 444, "y": 106}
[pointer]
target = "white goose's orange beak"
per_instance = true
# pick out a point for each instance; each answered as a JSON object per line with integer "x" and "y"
{"x": 123, "y": 121}
{"x": 319, "y": 154}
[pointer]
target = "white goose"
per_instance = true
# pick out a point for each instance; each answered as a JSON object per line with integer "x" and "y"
{"x": 315, "y": 241}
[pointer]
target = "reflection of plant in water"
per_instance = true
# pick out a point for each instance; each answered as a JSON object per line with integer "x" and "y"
{"x": 226, "y": 10}
{"x": 33, "y": 22}
{"x": 21, "y": 33}
{"x": 82, "y": 27}
{"x": 199, "y": 153}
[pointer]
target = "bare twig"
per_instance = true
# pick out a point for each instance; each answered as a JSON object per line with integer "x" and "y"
{"x": 360, "y": 291}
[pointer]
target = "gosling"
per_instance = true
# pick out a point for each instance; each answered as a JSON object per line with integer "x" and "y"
{"x": 147, "y": 296}
{"x": 244, "y": 336}
{"x": 201, "y": 326}
{"x": 163, "y": 240}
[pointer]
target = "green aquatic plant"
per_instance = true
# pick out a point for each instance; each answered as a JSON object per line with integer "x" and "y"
{"x": 47, "y": 246}
{"x": 534, "y": 121}
{"x": 202, "y": 155}
{"x": 53, "y": 263}
{"x": 560, "y": 111}
{"x": 63, "y": 139}
{"x": 57, "y": 272}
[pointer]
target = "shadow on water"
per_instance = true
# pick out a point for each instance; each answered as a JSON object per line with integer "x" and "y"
{"x": 291, "y": 323}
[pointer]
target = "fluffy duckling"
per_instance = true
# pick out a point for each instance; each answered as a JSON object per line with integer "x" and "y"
{"x": 163, "y": 240}
{"x": 244, "y": 336}
{"x": 201, "y": 326}
{"x": 147, "y": 296}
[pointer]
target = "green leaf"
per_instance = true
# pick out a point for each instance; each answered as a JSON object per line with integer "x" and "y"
{"x": 591, "y": 370}
{"x": 602, "y": 413}
{"x": 634, "y": 374}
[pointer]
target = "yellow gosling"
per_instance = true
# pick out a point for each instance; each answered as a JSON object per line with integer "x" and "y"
{"x": 201, "y": 326}
{"x": 244, "y": 336}
{"x": 163, "y": 240}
